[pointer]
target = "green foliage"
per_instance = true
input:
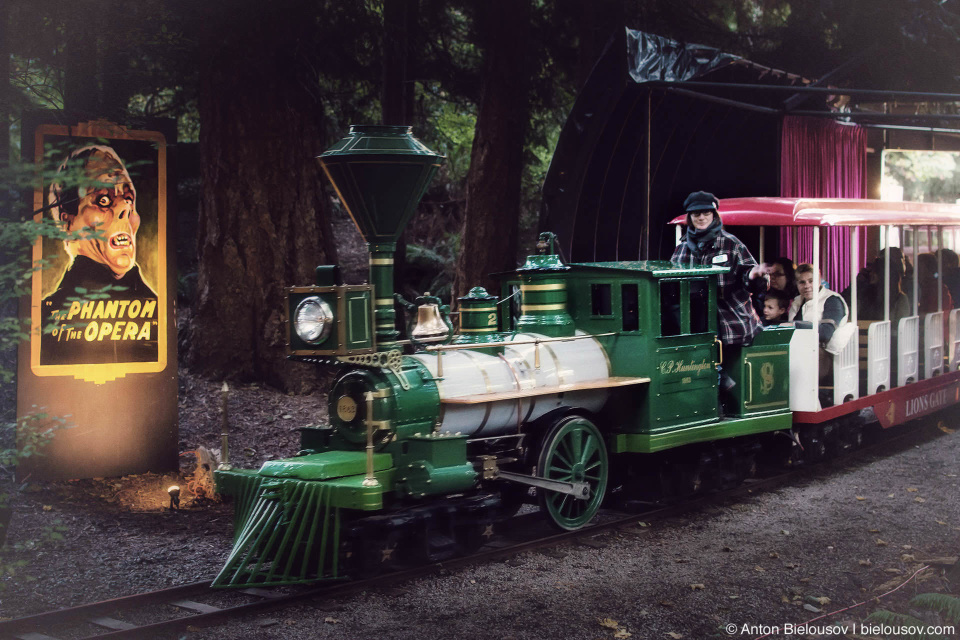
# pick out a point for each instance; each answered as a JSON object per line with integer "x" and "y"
{"x": 454, "y": 127}
{"x": 21, "y": 441}
{"x": 431, "y": 269}
{"x": 34, "y": 431}
{"x": 18, "y": 235}
{"x": 947, "y": 606}
{"x": 901, "y": 620}
{"x": 926, "y": 176}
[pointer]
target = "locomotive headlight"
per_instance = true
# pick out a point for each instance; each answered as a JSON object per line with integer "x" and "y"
{"x": 313, "y": 320}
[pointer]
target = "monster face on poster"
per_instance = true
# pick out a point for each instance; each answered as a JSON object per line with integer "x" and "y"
{"x": 101, "y": 352}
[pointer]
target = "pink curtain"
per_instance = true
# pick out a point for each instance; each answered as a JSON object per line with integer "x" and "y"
{"x": 820, "y": 158}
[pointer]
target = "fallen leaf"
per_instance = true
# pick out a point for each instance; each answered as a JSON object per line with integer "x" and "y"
{"x": 804, "y": 580}
{"x": 860, "y": 498}
{"x": 944, "y": 427}
{"x": 874, "y": 531}
{"x": 791, "y": 565}
{"x": 907, "y": 547}
{"x": 866, "y": 563}
{"x": 674, "y": 635}
{"x": 609, "y": 623}
{"x": 893, "y": 571}
{"x": 784, "y": 532}
{"x": 697, "y": 587}
{"x": 811, "y": 608}
{"x": 785, "y": 599}
{"x": 643, "y": 524}
{"x": 759, "y": 568}
{"x": 890, "y": 495}
{"x": 329, "y": 620}
{"x": 919, "y": 499}
{"x": 622, "y": 633}
{"x": 908, "y": 557}
{"x": 823, "y": 600}
{"x": 912, "y": 489}
{"x": 940, "y": 522}
{"x": 734, "y": 597}
{"x": 881, "y": 543}
{"x": 47, "y": 507}
{"x": 889, "y": 584}
{"x": 667, "y": 603}
{"x": 774, "y": 554}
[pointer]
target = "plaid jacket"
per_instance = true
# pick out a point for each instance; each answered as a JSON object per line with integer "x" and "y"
{"x": 739, "y": 322}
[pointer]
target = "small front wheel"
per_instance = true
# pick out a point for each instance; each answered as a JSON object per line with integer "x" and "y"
{"x": 573, "y": 451}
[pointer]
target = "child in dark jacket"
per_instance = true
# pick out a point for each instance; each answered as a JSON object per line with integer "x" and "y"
{"x": 776, "y": 303}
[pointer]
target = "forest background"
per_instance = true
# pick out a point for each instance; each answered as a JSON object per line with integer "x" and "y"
{"x": 259, "y": 89}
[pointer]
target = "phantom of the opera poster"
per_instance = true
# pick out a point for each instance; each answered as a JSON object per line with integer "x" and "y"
{"x": 99, "y": 301}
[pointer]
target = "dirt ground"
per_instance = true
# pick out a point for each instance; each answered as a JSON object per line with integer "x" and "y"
{"x": 840, "y": 536}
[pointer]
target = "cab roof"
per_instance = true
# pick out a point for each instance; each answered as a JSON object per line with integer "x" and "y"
{"x": 831, "y": 212}
{"x": 657, "y": 268}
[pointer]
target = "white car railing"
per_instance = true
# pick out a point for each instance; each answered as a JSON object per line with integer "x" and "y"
{"x": 908, "y": 350}
{"x": 846, "y": 372}
{"x": 954, "y": 341}
{"x": 878, "y": 357}
{"x": 933, "y": 344}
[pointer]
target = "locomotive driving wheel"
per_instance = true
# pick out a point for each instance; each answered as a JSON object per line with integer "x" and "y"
{"x": 573, "y": 451}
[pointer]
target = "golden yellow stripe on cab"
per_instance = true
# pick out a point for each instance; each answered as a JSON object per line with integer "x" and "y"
{"x": 491, "y": 329}
{"x": 381, "y": 262}
{"x": 479, "y": 310}
{"x": 543, "y": 287}
{"x": 384, "y": 302}
{"x": 542, "y": 307}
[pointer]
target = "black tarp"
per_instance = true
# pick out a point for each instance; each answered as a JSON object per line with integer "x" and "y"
{"x": 596, "y": 193}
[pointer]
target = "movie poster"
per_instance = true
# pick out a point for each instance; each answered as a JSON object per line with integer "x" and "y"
{"x": 101, "y": 299}
{"x": 102, "y": 346}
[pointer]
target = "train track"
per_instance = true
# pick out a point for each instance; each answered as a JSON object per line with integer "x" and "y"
{"x": 153, "y": 614}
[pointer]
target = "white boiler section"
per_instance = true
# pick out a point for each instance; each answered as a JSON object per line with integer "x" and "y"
{"x": 469, "y": 373}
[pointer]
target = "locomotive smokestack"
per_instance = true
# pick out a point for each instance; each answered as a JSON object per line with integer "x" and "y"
{"x": 380, "y": 173}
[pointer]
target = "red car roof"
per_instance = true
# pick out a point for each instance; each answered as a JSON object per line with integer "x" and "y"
{"x": 831, "y": 212}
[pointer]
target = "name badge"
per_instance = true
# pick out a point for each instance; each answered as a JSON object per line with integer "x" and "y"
{"x": 720, "y": 259}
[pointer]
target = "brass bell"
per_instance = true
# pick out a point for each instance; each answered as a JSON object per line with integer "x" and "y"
{"x": 430, "y": 325}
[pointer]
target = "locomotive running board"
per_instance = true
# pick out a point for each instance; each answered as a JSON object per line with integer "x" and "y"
{"x": 671, "y": 437}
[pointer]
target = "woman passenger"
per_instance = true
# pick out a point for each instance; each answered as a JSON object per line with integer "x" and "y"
{"x": 783, "y": 276}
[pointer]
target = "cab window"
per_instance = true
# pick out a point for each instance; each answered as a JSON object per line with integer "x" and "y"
{"x": 699, "y": 306}
{"x": 600, "y": 300}
{"x": 669, "y": 307}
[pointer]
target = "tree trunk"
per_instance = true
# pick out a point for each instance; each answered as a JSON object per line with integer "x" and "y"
{"x": 489, "y": 239}
{"x": 263, "y": 223}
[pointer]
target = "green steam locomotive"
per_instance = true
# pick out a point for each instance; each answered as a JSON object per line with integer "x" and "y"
{"x": 574, "y": 384}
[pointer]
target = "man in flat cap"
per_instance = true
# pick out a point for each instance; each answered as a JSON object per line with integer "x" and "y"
{"x": 706, "y": 243}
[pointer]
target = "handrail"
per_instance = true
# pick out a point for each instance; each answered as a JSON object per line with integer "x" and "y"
{"x": 485, "y": 345}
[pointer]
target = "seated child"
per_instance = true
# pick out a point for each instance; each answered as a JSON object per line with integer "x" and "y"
{"x": 775, "y": 307}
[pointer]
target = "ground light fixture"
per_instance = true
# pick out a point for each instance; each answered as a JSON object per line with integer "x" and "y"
{"x": 174, "y": 492}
